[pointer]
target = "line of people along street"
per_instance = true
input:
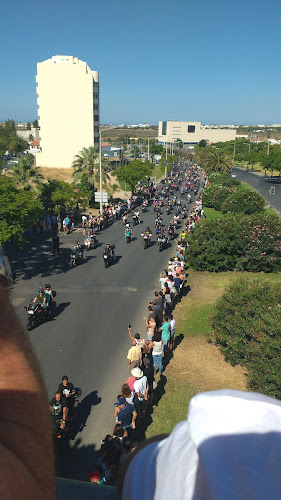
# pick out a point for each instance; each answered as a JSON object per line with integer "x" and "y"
{"x": 147, "y": 358}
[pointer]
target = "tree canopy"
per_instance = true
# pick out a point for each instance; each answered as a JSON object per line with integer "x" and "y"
{"x": 18, "y": 208}
{"x": 135, "y": 171}
{"x": 86, "y": 162}
{"x": 24, "y": 174}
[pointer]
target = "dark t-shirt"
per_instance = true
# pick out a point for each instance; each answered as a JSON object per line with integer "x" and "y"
{"x": 157, "y": 310}
{"x": 177, "y": 282}
{"x": 148, "y": 371}
{"x": 57, "y": 407}
{"x": 125, "y": 415}
{"x": 65, "y": 389}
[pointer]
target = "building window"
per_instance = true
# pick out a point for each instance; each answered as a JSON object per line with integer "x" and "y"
{"x": 96, "y": 118}
{"x": 96, "y": 84}
{"x": 96, "y": 140}
{"x": 96, "y": 95}
{"x": 191, "y": 129}
{"x": 164, "y": 128}
{"x": 96, "y": 107}
{"x": 96, "y": 128}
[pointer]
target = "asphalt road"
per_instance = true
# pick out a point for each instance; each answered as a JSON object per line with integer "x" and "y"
{"x": 258, "y": 182}
{"x": 88, "y": 338}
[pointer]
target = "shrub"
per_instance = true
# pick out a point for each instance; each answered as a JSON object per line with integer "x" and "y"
{"x": 213, "y": 244}
{"x": 245, "y": 201}
{"x": 224, "y": 179}
{"x": 220, "y": 196}
{"x": 246, "y": 325}
{"x": 208, "y": 195}
{"x": 251, "y": 243}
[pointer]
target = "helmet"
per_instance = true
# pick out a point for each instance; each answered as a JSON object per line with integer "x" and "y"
{"x": 127, "y": 225}
{"x": 147, "y": 229}
{"x": 47, "y": 286}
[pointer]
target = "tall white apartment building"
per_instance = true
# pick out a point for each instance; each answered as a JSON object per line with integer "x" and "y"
{"x": 68, "y": 109}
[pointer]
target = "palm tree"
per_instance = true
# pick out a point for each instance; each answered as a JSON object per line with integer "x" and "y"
{"x": 25, "y": 175}
{"x": 214, "y": 160}
{"x": 86, "y": 162}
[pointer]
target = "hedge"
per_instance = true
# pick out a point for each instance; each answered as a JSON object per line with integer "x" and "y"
{"x": 246, "y": 326}
{"x": 244, "y": 242}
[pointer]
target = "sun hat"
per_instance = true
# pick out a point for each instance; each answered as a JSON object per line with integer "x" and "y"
{"x": 137, "y": 372}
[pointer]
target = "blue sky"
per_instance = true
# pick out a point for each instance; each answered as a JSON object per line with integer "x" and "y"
{"x": 213, "y": 61}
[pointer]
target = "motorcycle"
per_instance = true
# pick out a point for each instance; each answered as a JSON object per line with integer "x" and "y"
{"x": 128, "y": 236}
{"x": 171, "y": 232}
{"x": 37, "y": 314}
{"x": 107, "y": 259}
{"x": 90, "y": 242}
{"x": 146, "y": 239}
{"x": 135, "y": 220}
{"x": 161, "y": 243}
{"x": 76, "y": 258}
{"x": 61, "y": 429}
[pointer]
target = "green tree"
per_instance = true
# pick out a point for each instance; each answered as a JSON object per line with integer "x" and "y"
{"x": 134, "y": 172}
{"x": 28, "y": 126}
{"x": 18, "y": 208}
{"x": 169, "y": 163}
{"x": 57, "y": 195}
{"x": 17, "y": 145}
{"x": 25, "y": 175}
{"x": 35, "y": 124}
{"x": 9, "y": 129}
{"x": 213, "y": 159}
{"x": 202, "y": 143}
{"x": 84, "y": 191}
{"x": 86, "y": 162}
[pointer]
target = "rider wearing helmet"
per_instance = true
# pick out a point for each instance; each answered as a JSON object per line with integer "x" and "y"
{"x": 48, "y": 294}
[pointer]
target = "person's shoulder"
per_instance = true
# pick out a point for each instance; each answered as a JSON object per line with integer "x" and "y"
{"x": 52, "y": 401}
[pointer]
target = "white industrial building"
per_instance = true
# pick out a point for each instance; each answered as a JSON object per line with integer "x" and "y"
{"x": 68, "y": 109}
{"x": 190, "y": 133}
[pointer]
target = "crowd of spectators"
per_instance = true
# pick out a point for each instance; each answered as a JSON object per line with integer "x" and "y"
{"x": 147, "y": 358}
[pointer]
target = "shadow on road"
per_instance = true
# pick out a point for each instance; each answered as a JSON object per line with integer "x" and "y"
{"x": 83, "y": 411}
{"x": 59, "y": 309}
{"x": 36, "y": 259}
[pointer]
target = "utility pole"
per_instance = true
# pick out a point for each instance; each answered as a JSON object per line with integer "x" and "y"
{"x": 166, "y": 160}
{"x": 100, "y": 179}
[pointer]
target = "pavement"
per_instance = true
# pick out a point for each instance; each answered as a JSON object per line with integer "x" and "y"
{"x": 88, "y": 340}
{"x": 257, "y": 181}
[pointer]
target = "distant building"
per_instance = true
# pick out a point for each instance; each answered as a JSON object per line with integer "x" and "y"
{"x": 68, "y": 109}
{"x": 191, "y": 133}
{"x": 34, "y": 147}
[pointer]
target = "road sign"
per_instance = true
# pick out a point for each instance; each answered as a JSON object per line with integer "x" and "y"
{"x": 104, "y": 196}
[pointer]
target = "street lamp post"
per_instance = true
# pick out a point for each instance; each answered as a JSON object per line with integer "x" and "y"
{"x": 166, "y": 160}
{"x": 101, "y": 210}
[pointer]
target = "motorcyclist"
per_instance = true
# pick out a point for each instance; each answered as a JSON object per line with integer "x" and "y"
{"x": 128, "y": 231}
{"x": 67, "y": 392}
{"x": 78, "y": 249}
{"x": 109, "y": 249}
{"x": 147, "y": 233}
{"x": 41, "y": 297}
{"x": 56, "y": 410}
{"x": 49, "y": 296}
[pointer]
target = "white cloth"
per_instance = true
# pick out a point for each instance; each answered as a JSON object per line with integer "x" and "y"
{"x": 140, "y": 385}
{"x": 229, "y": 448}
